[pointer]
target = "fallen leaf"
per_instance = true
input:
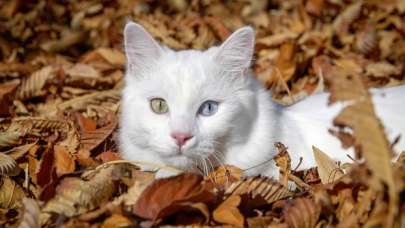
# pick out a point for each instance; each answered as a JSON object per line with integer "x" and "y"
{"x": 64, "y": 162}
{"x": 11, "y": 193}
{"x": 227, "y": 212}
{"x": 302, "y": 213}
{"x": 159, "y": 199}
{"x": 327, "y": 168}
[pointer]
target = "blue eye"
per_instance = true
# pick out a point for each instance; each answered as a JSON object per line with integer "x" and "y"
{"x": 208, "y": 108}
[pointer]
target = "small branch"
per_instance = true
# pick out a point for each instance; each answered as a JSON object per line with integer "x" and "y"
{"x": 284, "y": 83}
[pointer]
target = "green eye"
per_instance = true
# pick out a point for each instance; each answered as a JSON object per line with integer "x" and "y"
{"x": 159, "y": 105}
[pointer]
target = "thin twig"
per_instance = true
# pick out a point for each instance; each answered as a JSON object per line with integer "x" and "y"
{"x": 353, "y": 159}
{"x": 284, "y": 83}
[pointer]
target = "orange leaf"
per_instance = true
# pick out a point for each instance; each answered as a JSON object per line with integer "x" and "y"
{"x": 228, "y": 212}
{"x": 63, "y": 161}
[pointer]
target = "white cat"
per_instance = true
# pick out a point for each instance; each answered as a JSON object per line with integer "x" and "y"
{"x": 205, "y": 107}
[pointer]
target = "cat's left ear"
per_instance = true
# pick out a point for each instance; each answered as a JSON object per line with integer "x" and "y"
{"x": 235, "y": 54}
{"x": 141, "y": 49}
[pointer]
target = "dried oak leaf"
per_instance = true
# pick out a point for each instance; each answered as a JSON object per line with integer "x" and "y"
{"x": 227, "y": 212}
{"x": 165, "y": 196}
{"x": 8, "y": 165}
{"x": 261, "y": 190}
{"x": 368, "y": 133}
{"x": 11, "y": 193}
{"x": 366, "y": 38}
{"x": 226, "y": 174}
{"x": 29, "y": 214}
{"x": 75, "y": 196}
{"x": 302, "y": 213}
{"x": 327, "y": 168}
{"x": 92, "y": 139}
{"x": 32, "y": 86}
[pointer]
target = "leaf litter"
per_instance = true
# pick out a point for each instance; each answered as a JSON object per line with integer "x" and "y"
{"x": 61, "y": 73}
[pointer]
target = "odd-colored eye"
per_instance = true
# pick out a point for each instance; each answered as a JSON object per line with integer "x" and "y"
{"x": 159, "y": 105}
{"x": 208, "y": 108}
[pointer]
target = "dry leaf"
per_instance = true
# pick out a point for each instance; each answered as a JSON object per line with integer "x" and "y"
{"x": 131, "y": 196}
{"x": 227, "y": 212}
{"x": 160, "y": 199}
{"x": 302, "y": 213}
{"x": 63, "y": 161}
{"x": 9, "y": 139}
{"x": 327, "y": 168}
{"x": 20, "y": 151}
{"x": 95, "y": 98}
{"x": 11, "y": 193}
{"x": 92, "y": 139}
{"x": 32, "y": 85}
{"x": 75, "y": 196}
{"x": 8, "y": 165}
{"x": 261, "y": 191}
{"x": 368, "y": 133}
{"x": 226, "y": 174}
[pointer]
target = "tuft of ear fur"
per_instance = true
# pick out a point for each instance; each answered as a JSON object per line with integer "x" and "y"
{"x": 140, "y": 47}
{"x": 235, "y": 54}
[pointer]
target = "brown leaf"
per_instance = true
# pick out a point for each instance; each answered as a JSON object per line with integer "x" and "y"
{"x": 400, "y": 161}
{"x": 108, "y": 156}
{"x": 8, "y": 165}
{"x": 20, "y": 151}
{"x": 63, "y": 161}
{"x": 117, "y": 221}
{"x": 7, "y": 94}
{"x": 226, "y": 174}
{"x": 32, "y": 86}
{"x": 346, "y": 17}
{"x": 131, "y": 196}
{"x": 46, "y": 175}
{"x": 261, "y": 191}
{"x": 86, "y": 124}
{"x": 302, "y": 213}
{"x": 159, "y": 200}
{"x": 11, "y": 193}
{"x": 227, "y": 212}
{"x": 72, "y": 143}
{"x": 75, "y": 196}
{"x": 92, "y": 139}
{"x": 283, "y": 160}
{"x": 327, "y": 168}
{"x": 366, "y": 126}
{"x": 9, "y": 139}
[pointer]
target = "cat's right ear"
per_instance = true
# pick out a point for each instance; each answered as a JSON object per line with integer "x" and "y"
{"x": 140, "y": 47}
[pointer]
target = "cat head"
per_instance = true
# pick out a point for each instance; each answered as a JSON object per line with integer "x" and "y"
{"x": 185, "y": 106}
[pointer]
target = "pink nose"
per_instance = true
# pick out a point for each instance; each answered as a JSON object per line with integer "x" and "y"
{"x": 181, "y": 138}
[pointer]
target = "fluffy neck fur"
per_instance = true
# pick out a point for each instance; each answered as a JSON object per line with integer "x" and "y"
{"x": 247, "y": 123}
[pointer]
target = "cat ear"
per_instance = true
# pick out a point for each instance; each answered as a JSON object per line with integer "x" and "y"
{"x": 235, "y": 54}
{"x": 140, "y": 47}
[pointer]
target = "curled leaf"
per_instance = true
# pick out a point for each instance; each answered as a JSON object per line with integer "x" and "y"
{"x": 8, "y": 165}
{"x": 327, "y": 168}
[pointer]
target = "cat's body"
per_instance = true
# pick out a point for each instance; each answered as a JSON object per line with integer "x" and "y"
{"x": 245, "y": 125}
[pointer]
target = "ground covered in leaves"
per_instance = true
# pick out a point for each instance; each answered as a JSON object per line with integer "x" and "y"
{"x": 61, "y": 71}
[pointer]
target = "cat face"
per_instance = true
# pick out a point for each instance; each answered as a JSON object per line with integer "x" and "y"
{"x": 180, "y": 108}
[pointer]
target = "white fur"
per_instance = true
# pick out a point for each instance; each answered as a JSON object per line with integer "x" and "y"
{"x": 247, "y": 123}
